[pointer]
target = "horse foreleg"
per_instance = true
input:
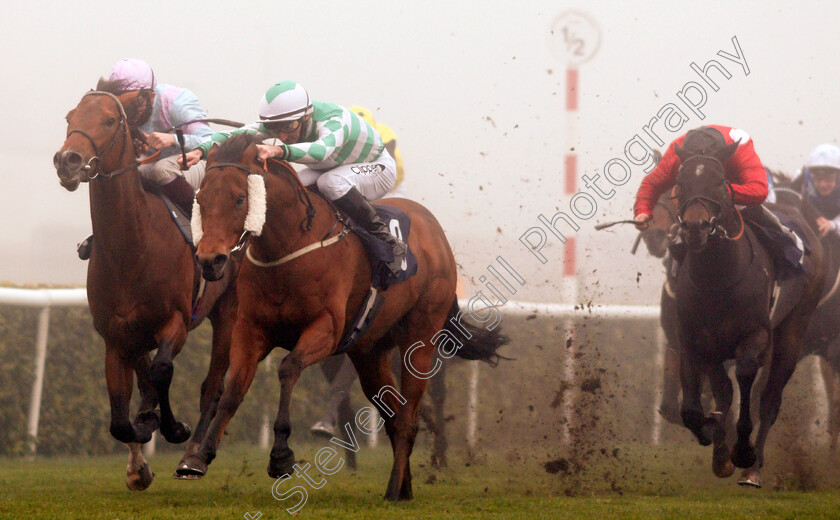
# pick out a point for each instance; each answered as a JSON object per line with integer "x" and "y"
{"x": 692, "y": 410}
{"x": 670, "y": 407}
{"x": 248, "y": 347}
{"x": 747, "y": 363}
{"x": 119, "y": 376}
{"x": 222, "y": 318}
{"x": 171, "y": 339}
{"x": 316, "y": 342}
{"x": 782, "y": 364}
{"x": 721, "y": 387}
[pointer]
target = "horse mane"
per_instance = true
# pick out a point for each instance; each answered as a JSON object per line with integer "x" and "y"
{"x": 111, "y": 87}
{"x": 231, "y": 149}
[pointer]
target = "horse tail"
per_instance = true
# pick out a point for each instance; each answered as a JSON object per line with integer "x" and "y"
{"x": 482, "y": 344}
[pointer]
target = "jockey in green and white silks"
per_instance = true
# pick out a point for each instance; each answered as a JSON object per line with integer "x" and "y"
{"x": 338, "y": 148}
{"x": 340, "y": 152}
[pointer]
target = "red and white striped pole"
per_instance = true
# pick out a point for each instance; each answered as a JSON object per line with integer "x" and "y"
{"x": 570, "y": 280}
{"x": 575, "y": 37}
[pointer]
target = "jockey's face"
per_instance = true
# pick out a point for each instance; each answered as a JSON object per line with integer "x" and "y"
{"x": 825, "y": 180}
{"x": 289, "y": 132}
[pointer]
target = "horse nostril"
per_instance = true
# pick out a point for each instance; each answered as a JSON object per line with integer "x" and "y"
{"x": 220, "y": 260}
{"x": 70, "y": 160}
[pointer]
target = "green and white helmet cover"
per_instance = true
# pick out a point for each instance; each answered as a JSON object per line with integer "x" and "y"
{"x": 285, "y": 101}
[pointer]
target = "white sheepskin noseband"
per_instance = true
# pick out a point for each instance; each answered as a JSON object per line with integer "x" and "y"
{"x": 254, "y": 220}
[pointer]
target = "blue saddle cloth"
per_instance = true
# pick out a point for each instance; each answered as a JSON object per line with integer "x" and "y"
{"x": 380, "y": 253}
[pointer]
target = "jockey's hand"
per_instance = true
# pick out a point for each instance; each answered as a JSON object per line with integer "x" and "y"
{"x": 268, "y": 151}
{"x": 160, "y": 140}
{"x": 192, "y": 158}
{"x": 642, "y": 221}
{"x": 825, "y": 226}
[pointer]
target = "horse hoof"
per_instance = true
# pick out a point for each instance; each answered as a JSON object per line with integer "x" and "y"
{"x": 140, "y": 479}
{"x": 750, "y": 478}
{"x": 743, "y": 457}
{"x": 281, "y": 464}
{"x": 191, "y": 468}
{"x": 178, "y": 433}
{"x": 724, "y": 469}
{"x": 145, "y": 425}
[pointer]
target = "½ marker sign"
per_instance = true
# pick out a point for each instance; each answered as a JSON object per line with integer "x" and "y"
{"x": 574, "y": 37}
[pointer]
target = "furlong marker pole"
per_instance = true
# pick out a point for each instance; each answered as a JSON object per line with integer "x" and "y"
{"x": 570, "y": 280}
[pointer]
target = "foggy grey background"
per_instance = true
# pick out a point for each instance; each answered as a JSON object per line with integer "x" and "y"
{"x": 474, "y": 91}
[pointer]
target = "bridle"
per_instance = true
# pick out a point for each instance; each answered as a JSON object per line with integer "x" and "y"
{"x": 722, "y": 208}
{"x": 303, "y": 196}
{"x": 123, "y": 130}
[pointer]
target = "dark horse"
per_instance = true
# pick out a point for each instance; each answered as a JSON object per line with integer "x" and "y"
{"x": 307, "y": 304}
{"x": 723, "y": 295}
{"x": 141, "y": 277}
{"x": 823, "y": 336}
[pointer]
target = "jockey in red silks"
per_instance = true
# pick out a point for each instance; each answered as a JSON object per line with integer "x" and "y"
{"x": 748, "y": 184}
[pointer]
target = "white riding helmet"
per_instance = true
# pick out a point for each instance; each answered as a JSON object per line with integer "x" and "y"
{"x": 285, "y": 101}
{"x": 133, "y": 74}
{"x": 824, "y": 155}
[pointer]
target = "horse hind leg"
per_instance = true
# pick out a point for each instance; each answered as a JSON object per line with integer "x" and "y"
{"x": 160, "y": 374}
{"x": 147, "y": 419}
{"x": 785, "y": 356}
{"x": 378, "y": 384}
{"x": 832, "y": 394}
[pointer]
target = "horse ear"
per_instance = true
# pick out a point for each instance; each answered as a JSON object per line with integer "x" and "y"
{"x": 211, "y": 155}
{"x": 727, "y": 151}
{"x": 681, "y": 153}
{"x": 250, "y": 154}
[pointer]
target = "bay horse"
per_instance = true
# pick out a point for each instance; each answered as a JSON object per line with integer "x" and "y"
{"x": 723, "y": 296}
{"x": 306, "y": 305}
{"x": 141, "y": 277}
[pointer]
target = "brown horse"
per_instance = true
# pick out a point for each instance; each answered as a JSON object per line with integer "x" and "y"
{"x": 142, "y": 277}
{"x": 308, "y": 303}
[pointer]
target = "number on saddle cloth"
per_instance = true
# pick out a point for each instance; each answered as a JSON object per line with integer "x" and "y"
{"x": 380, "y": 253}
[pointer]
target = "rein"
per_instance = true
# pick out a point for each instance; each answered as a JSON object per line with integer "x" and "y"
{"x": 306, "y": 224}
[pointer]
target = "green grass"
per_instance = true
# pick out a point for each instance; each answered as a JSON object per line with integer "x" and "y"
{"x": 635, "y": 483}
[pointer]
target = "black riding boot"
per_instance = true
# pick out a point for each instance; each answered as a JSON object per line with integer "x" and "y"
{"x": 359, "y": 209}
{"x": 85, "y": 247}
{"x": 784, "y": 246}
{"x": 181, "y": 192}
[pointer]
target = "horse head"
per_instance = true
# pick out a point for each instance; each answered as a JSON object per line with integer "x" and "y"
{"x": 231, "y": 203}
{"x": 703, "y": 194}
{"x": 98, "y": 134}
{"x": 658, "y": 235}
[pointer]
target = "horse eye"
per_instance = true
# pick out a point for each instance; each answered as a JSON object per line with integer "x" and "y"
{"x": 240, "y": 200}
{"x": 110, "y": 121}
